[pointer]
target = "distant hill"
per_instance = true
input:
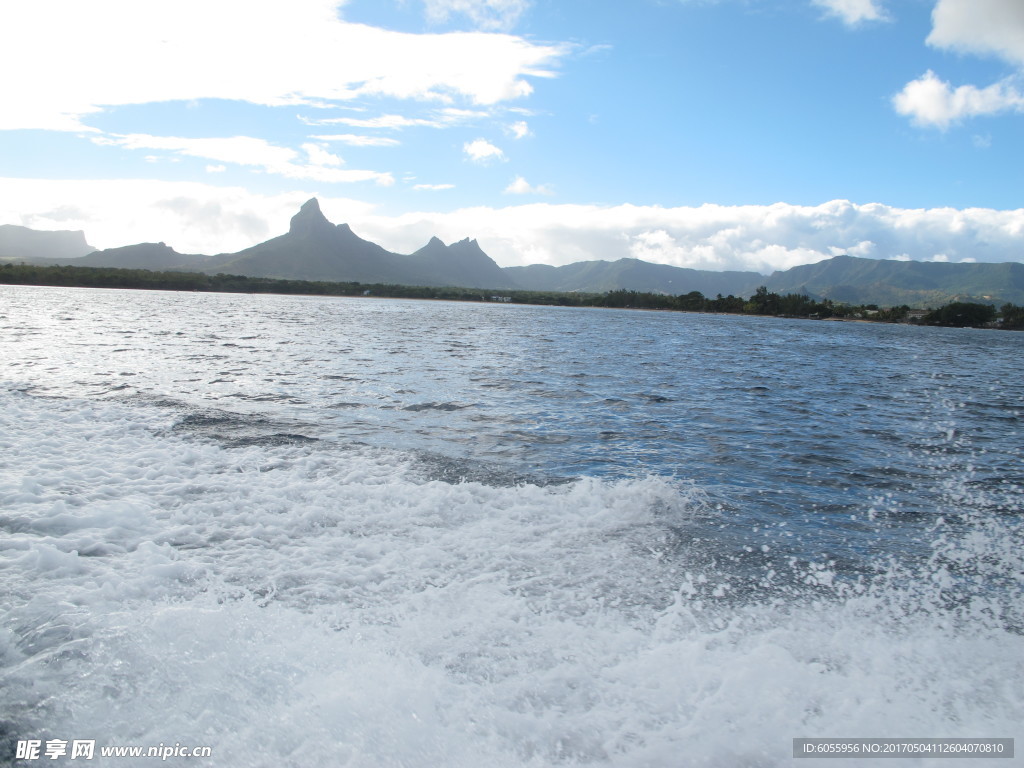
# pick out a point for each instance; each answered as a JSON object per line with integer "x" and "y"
{"x": 315, "y": 249}
{"x": 633, "y": 275}
{"x": 155, "y": 256}
{"x": 25, "y": 244}
{"x": 855, "y": 280}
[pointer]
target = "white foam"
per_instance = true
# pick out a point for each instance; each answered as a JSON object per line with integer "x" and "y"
{"x": 316, "y": 604}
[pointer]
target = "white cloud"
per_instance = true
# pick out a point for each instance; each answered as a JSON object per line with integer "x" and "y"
{"x": 355, "y": 140}
{"x": 981, "y": 27}
{"x": 202, "y": 218}
{"x": 865, "y": 249}
{"x": 391, "y": 122}
{"x": 853, "y": 12}
{"x": 519, "y": 129}
{"x": 241, "y": 150}
{"x": 318, "y": 155}
{"x": 521, "y": 186}
{"x": 433, "y": 187}
{"x": 984, "y": 27}
{"x": 216, "y": 168}
{"x": 661, "y": 247}
{"x": 929, "y": 101}
{"x": 249, "y": 151}
{"x": 441, "y": 118}
{"x": 119, "y": 52}
{"x": 484, "y": 14}
{"x": 760, "y": 238}
{"x": 482, "y": 151}
{"x": 455, "y": 115}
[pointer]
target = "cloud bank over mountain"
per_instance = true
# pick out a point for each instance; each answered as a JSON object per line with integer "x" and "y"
{"x": 717, "y": 237}
{"x": 196, "y": 218}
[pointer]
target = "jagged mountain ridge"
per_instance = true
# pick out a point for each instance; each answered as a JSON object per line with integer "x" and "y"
{"x": 312, "y": 249}
{"x": 315, "y": 249}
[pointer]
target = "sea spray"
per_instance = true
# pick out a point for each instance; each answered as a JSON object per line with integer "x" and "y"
{"x": 301, "y": 602}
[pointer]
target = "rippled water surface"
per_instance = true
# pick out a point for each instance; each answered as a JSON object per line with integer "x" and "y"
{"x": 382, "y": 532}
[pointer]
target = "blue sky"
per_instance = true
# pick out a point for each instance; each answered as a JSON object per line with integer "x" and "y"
{"x": 737, "y": 134}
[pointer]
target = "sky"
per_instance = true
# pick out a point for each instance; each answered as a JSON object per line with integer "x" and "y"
{"x": 714, "y": 134}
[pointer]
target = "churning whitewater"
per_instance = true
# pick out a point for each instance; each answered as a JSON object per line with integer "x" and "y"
{"x": 361, "y": 532}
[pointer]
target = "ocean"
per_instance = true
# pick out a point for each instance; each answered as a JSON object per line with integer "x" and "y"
{"x": 367, "y": 532}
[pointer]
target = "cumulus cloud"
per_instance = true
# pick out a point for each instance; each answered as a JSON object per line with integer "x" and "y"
{"x": 484, "y": 14}
{"x": 980, "y": 27}
{"x": 662, "y": 247}
{"x": 521, "y": 186}
{"x": 983, "y": 27}
{"x": 482, "y": 151}
{"x": 202, "y": 218}
{"x": 519, "y": 129}
{"x": 853, "y": 12}
{"x": 929, "y": 101}
{"x": 190, "y": 49}
{"x": 759, "y": 238}
{"x": 321, "y": 165}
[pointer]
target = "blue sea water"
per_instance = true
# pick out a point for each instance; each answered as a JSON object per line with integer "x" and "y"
{"x": 372, "y": 532}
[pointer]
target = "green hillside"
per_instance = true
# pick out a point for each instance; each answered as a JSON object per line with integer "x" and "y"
{"x": 918, "y": 284}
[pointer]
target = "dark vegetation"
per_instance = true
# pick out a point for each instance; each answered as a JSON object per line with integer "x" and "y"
{"x": 763, "y": 302}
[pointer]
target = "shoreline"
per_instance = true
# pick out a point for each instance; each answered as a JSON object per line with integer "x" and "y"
{"x": 199, "y": 282}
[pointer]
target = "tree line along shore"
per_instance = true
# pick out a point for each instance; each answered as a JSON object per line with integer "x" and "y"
{"x": 763, "y": 302}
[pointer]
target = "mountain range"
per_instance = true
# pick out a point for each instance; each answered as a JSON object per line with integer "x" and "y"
{"x": 315, "y": 249}
{"x": 24, "y": 244}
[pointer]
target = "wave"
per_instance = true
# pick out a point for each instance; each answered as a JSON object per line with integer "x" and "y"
{"x": 307, "y": 602}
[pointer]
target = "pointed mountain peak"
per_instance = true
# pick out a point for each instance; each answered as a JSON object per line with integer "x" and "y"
{"x": 310, "y": 208}
{"x": 309, "y": 219}
{"x": 345, "y": 235}
{"x": 435, "y": 247}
